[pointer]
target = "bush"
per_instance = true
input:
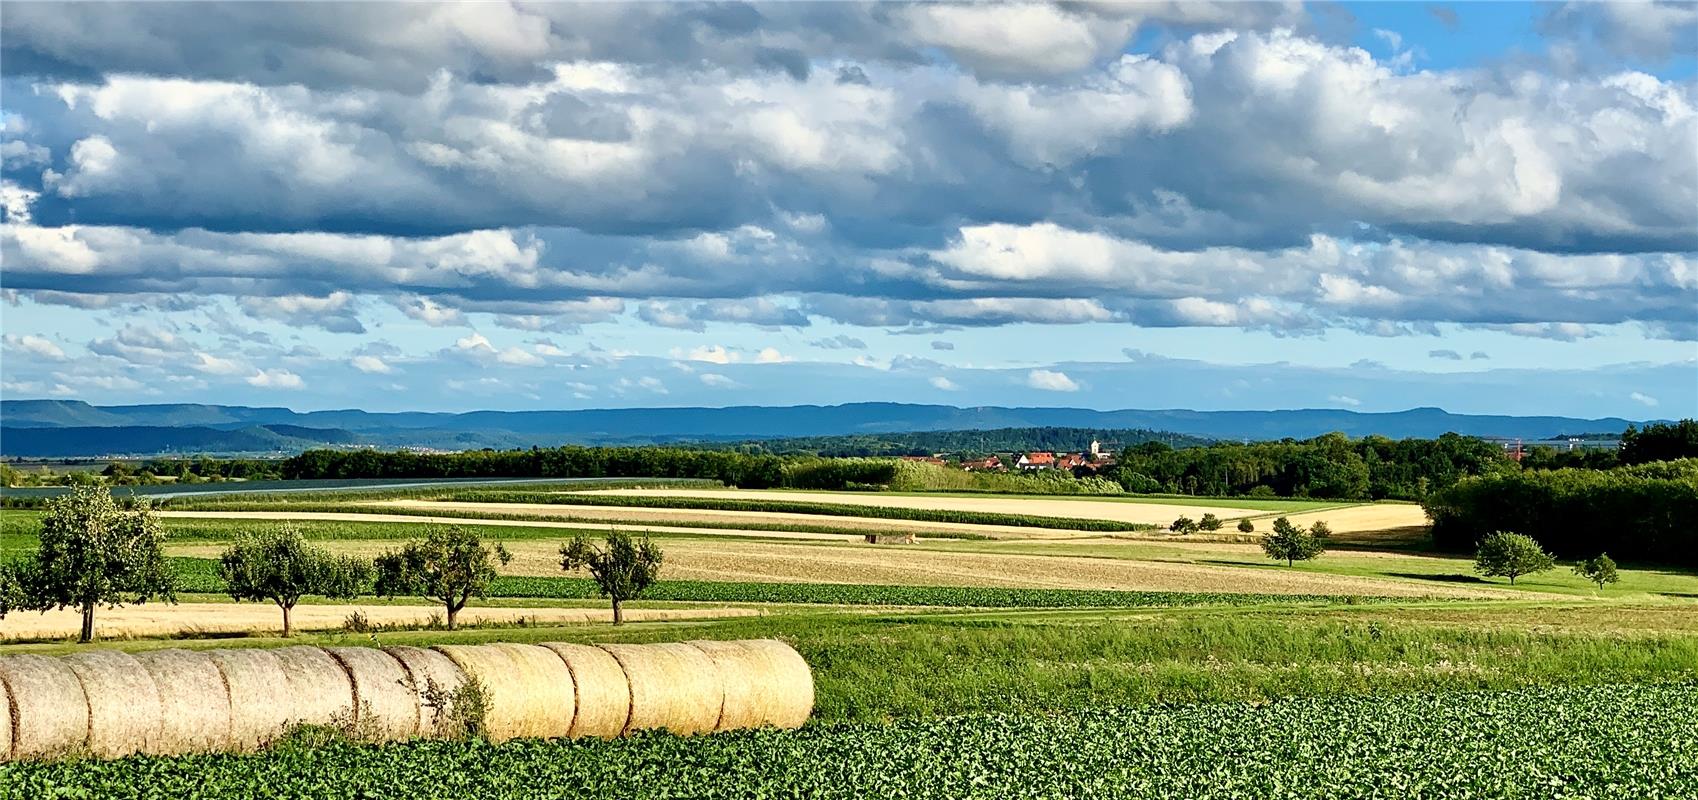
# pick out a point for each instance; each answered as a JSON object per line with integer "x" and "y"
{"x": 1209, "y": 522}
{"x": 1183, "y": 525}
{"x": 1246, "y": 526}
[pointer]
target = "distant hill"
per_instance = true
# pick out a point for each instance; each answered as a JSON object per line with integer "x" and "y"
{"x": 83, "y": 429}
{"x": 982, "y": 442}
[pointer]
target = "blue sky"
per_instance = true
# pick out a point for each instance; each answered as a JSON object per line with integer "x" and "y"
{"x": 1489, "y": 207}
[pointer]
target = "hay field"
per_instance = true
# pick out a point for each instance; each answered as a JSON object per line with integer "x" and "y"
{"x": 1154, "y": 513}
{"x": 678, "y": 520}
{"x": 354, "y": 516}
{"x": 712, "y": 560}
{"x": 193, "y": 619}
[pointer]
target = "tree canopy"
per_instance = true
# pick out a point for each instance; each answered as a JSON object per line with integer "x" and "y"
{"x": 622, "y": 569}
{"x": 451, "y": 565}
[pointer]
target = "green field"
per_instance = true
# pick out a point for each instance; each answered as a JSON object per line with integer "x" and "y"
{"x": 1604, "y": 741}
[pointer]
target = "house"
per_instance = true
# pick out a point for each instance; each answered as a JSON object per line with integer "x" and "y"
{"x": 992, "y": 464}
{"x": 1068, "y": 461}
{"x": 1036, "y": 461}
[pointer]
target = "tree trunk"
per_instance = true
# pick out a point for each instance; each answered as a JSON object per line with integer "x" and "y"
{"x": 618, "y": 612}
{"x": 1290, "y": 562}
{"x": 288, "y": 629}
{"x": 88, "y": 623}
{"x": 452, "y": 612}
{"x": 1512, "y": 580}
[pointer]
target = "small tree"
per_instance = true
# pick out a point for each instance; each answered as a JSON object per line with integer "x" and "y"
{"x": 1320, "y": 530}
{"x": 1183, "y": 525}
{"x": 1246, "y": 526}
{"x": 451, "y": 566}
{"x": 279, "y": 566}
{"x": 93, "y": 554}
{"x": 1209, "y": 522}
{"x": 1291, "y": 542}
{"x": 11, "y": 588}
{"x": 1600, "y": 570}
{"x": 622, "y": 569}
{"x": 1511, "y": 555}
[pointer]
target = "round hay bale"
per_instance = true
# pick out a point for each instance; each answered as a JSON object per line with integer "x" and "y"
{"x": 260, "y": 706}
{"x": 673, "y": 686}
{"x": 603, "y": 693}
{"x": 193, "y": 701}
{"x": 386, "y": 707}
{"x": 5, "y": 721}
{"x": 530, "y": 689}
{"x": 426, "y": 668}
{"x": 320, "y": 692}
{"x": 786, "y": 696}
{"x": 746, "y": 675}
{"x": 123, "y": 703}
{"x": 49, "y": 709}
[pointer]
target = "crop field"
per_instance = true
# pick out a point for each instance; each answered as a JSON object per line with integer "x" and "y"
{"x": 1610, "y": 741}
{"x": 1151, "y": 512}
{"x": 1048, "y": 663}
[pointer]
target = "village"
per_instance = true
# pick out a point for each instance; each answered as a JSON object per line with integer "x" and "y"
{"x": 1096, "y": 458}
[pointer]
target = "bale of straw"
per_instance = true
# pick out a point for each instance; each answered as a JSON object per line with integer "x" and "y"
{"x": 260, "y": 706}
{"x": 786, "y": 694}
{"x": 320, "y": 692}
{"x": 5, "y": 722}
{"x": 123, "y": 703}
{"x": 194, "y": 703}
{"x": 745, "y": 676}
{"x": 673, "y": 686}
{"x": 426, "y": 668}
{"x": 386, "y": 706}
{"x": 50, "y": 711}
{"x": 604, "y": 695}
{"x": 530, "y": 689}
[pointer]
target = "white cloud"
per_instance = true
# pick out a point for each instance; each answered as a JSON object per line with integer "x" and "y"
{"x": 276, "y": 379}
{"x": 712, "y": 354}
{"x": 36, "y": 346}
{"x": 1344, "y": 400}
{"x": 371, "y": 365}
{"x": 940, "y": 382}
{"x": 770, "y": 355}
{"x": 213, "y": 365}
{"x": 1051, "y": 381}
{"x": 717, "y": 380}
{"x": 1643, "y": 399}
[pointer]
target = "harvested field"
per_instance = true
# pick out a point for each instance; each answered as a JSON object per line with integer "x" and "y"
{"x": 806, "y": 563}
{"x": 1376, "y": 524}
{"x": 679, "y": 519}
{"x": 1152, "y": 513}
{"x": 158, "y": 619}
{"x": 354, "y": 516}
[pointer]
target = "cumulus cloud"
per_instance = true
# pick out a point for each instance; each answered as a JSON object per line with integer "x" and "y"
{"x": 276, "y": 379}
{"x": 34, "y": 345}
{"x": 944, "y": 384}
{"x": 1051, "y": 381}
{"x": 371, "y": 365}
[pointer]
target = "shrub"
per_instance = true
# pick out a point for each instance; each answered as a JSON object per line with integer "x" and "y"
{"x": 1209, "y": 522}
{"x": 1183, "y": 525}
{"x": 1600, "y": 570}
{"x": 1246, "y": 526}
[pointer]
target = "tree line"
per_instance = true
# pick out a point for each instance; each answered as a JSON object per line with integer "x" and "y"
{"x": 1642, "y": 512}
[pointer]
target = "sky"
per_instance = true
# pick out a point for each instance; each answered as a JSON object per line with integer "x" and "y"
{"x": 1485, "y": 207}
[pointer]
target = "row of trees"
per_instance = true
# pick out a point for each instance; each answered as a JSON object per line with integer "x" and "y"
{"x": 1330, "y": 466}
{"x": 1644, "y": 512}
{"x": 93, "y": 554}
{"x": 732, "y": 468}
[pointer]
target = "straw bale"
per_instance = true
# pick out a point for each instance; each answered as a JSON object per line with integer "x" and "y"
{"x": 530, "y": 689}
{"x": 425, "y": 668}
{"x": 260, "y": 705}
{"x": 320, "y": 692}
{"x": 386, "y": 704}
{"x": 603, "y": 693}
{"x": 194, "y": 703}
{"x": 123, "y": 703}
{"x": 673, "y": 686}
{"x": 51, "y": 711}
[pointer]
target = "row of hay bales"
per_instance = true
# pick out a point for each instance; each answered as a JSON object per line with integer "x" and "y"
{"x": 110, "y": 704}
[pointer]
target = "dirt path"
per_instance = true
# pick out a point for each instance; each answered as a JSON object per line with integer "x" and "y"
{"x": 158, "y": 619}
